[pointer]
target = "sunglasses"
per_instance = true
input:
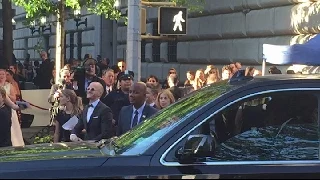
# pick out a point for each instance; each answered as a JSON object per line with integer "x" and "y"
{"x": 90, "y": 89}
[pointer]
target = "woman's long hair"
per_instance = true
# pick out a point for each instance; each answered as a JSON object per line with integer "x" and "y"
{"x": 168, "y": 94}
{"x": 75, "y": 100}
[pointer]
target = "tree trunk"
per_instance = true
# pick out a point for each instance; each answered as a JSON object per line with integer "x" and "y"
{"x": 63, "y": 34}
{"x": 60, "y": 36}
{"x": 7, "y": 33}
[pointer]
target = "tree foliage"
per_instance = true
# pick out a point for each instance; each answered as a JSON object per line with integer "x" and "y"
{"x": 37, "y": 8}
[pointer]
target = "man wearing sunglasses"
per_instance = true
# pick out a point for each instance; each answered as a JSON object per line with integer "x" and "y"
{"x": 96, "y": 117}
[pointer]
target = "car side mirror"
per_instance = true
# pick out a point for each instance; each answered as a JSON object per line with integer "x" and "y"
{"x": 196, "y": 146}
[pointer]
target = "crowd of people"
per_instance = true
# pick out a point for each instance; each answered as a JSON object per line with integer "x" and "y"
{"x": 103, "y": 99}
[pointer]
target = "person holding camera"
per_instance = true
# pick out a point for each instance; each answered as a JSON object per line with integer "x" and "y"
{"x": 53, "y": 98}
{"x": 84, "y": 76}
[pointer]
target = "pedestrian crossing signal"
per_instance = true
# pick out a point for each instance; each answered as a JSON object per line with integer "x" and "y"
{"x": 172, "y": 21}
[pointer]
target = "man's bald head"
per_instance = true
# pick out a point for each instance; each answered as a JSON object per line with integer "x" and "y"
{"x": 94, "y": 91}
{"x": 137, "y": 94}
{"x": 98, "y": 86}
{"x": 140, "y": 85}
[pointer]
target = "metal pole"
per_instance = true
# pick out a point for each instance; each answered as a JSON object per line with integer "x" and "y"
{"x": 134, "y": 39}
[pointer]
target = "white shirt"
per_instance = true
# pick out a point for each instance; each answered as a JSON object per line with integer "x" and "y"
{"x": 91, "y": 109}
{"x": 152, "y": 104}
{"x": 108, "y": 88}
{"x": 140, "y": 110}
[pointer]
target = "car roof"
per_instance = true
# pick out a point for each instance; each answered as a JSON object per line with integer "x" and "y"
{"x": 275, "y": 78}
{"x": 285, "y": 77}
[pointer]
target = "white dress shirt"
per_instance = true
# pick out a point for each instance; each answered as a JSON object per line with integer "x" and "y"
{"x": 108, "y": 89}
{"x": 91, "y": 109}
{"x": 140, "y": 110}
{"x": 152, "y": 104}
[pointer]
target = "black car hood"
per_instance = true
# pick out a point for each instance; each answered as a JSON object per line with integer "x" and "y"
{"x": 53, "y": 151}
{"x": 292, "y": 142}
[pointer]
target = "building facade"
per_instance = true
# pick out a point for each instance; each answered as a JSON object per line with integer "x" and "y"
{"x": 227, "y": 31}
{"x": 94, "y": 38}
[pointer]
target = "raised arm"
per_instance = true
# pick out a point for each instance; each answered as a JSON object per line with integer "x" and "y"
{"x": 9, "y": 103}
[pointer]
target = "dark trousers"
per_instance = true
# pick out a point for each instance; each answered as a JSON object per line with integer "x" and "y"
{"x": 5, "y": 138}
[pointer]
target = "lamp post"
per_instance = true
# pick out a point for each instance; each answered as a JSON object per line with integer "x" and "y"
{"x": 33, "y": 28}
{"x": 43, "y": 21}
{"x": 42, "y": 26}
{"x": 13, "y": 23}
{"x": 77, "y": 19}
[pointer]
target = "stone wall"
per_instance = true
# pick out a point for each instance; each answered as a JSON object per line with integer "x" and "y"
{"x": 24, "y": 41}
{"x": 232, "y": 30}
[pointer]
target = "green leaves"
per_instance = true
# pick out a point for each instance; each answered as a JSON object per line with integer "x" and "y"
{"x": 37, "y": 8}
{"x": 45, "y": 139}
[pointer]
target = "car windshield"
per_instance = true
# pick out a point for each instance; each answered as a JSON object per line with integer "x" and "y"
{"x": 140, "y": 138}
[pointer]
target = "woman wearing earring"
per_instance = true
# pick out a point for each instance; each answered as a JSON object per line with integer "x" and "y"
{"x": 72, "y": 107}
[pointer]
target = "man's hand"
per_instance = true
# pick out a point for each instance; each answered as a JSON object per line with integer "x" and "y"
{"x": 74, "y": 138}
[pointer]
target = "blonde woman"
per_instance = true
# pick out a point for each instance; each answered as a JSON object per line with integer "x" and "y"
{"x": 164, "y": 99}
{"x": 226, "y": 73}
{"x": 213, "y": 76}
{"x": 199, "y": 80}
{"x": 72, "y": 107}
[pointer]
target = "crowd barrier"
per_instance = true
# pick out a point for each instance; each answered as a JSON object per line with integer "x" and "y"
{"x": 38, "y": 99}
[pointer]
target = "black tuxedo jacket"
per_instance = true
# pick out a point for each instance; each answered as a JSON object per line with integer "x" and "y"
{"x": 100, "y": 124}
{"x": 125, "y": 116}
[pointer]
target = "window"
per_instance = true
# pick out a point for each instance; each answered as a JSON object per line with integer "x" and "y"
{"x": 278, "y": 126}
{"x": 145, "y": 135}
{"x": 155, "y": 44}
{"x": 143, "y": 50}
{"x": 172, "y": 51}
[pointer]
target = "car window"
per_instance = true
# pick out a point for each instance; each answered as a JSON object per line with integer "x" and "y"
{"x": 318, "y": 70}
{"x": 270, "y": 127}
{"x": 141, "y": 137}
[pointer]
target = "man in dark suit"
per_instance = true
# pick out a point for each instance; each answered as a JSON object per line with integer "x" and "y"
{"x": 82, "y": 79}
{"x": 45, "y": 71}
{"x": 96, "y": 118}
{"x": 137, "y": 112}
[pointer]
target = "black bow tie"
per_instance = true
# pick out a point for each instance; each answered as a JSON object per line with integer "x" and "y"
{"x": 91, "y": 105}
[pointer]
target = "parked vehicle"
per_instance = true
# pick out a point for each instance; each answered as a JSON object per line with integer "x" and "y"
{"x": 262, "y": 127}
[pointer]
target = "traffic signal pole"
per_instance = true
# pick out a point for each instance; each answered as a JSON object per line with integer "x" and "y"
{"x": 133, "y": 59}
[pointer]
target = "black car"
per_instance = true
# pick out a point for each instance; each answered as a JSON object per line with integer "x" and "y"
{"x": 266, "y": 127}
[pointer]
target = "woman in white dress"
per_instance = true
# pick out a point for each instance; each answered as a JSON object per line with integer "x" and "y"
{"x": 16, "y": 133}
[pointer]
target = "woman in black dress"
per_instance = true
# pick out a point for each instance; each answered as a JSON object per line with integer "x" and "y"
{"x": 72, "y": 107}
